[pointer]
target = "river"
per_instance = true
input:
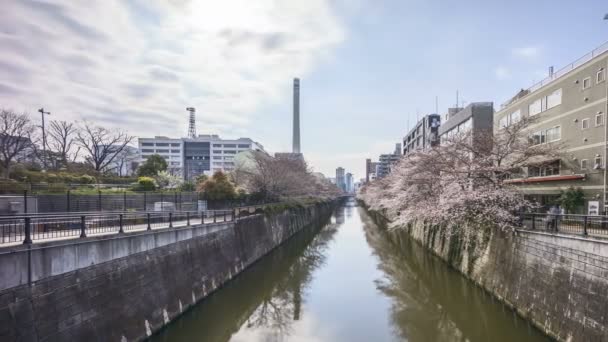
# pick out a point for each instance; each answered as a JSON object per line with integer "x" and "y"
{"x": 347, "y": 281}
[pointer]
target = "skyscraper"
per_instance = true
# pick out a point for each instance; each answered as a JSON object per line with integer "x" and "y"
{"x": 296, "y": 115}
{"x": 340, "y": 181}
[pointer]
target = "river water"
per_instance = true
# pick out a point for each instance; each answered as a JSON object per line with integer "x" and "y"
{"x": 347, "y": 281}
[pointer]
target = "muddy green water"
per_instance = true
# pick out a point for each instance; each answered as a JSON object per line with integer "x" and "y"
{"x": 347, "y": 281}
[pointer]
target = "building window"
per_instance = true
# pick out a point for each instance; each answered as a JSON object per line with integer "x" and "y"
{"x": 597, "y": 164}
{"x": 230, "y": 145}
{"x": 584, "y": 164}
{"x": 503, "y": 122}
{"x": 229, "y": 152}
{"x": 174, "y": 151}
{"x": 162, "y": 144}
{"x": 217, "y": 145}
{"x": 175, "y": 144}
{"x": 243, "y": 146}
{"x": 538, "y": 138}
{"x": 587, "y": 83}
{"x": 554, "y": 134}
{"x": 147, "y": 144}
{"x": 599, "y": 119}
{"x": 217, "y": 157}
{"x": 545, "y": 170}
{"x": 514, "y": 117}
{"x": 217, "y": 151}
{"x": 600, "y": 76}
{"x": 162, "y": 151}
{"x": 585, "y": 123}
{"x": 144, "y": 150}
{"x": 535, "y": 107}
{"x": 554, "y": 99}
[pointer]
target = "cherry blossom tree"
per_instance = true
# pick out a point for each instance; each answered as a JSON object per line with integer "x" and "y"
{"x": 465, "y": 180}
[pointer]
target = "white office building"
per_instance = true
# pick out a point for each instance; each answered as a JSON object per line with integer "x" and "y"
{"x": 190, "y": 157}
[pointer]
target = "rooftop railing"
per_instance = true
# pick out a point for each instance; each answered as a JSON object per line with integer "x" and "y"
{"x": 583, "y": 225}
{"x": 563, "y": 71}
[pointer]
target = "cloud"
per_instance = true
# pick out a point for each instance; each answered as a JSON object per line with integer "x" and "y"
{"x": 138, "y": 64}
{"x": 528, "y": 52}
{"x": 502, "y": 73}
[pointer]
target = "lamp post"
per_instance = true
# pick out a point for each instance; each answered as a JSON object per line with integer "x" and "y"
{"x": 42, "y": 113}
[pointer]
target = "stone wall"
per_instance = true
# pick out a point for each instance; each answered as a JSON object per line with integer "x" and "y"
{"x": 123, "y": 288}
{"x": 558, "y": 282}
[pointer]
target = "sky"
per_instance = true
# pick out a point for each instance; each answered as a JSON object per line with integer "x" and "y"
{"x": 368, "y": 68}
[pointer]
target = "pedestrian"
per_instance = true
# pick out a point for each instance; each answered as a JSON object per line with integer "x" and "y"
{"x": 552, "y": 216}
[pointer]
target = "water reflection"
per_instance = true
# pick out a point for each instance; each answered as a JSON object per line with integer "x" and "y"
{"x": 267, "y": 298}
{"x": 431, "y": 302}
{"x": 348, "y": 281}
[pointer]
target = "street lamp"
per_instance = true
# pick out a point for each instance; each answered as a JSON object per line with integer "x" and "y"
{"x": 42, "y": 113}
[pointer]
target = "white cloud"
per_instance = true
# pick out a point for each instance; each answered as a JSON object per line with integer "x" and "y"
{"x": 502, "y": 73}
{"x": 527, "y": 52}
{"x": 137, "y": 65}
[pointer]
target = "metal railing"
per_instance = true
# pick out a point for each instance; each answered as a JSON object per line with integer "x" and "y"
{"x": 31, "y": 228}
{"x": 584, "y": 225}
{"x": 565, "y": 70}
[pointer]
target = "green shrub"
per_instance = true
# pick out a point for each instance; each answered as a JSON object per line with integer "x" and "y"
{"x": 187, "y": 186}
{"x": 146, "y": 184}
{"x": 86, "y": 179}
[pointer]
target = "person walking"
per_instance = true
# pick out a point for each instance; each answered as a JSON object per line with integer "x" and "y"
{"x": 552, "y": 216}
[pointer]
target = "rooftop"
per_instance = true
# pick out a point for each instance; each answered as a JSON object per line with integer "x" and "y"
{"x": 558, "y": 74}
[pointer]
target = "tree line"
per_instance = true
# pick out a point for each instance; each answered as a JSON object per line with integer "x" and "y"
{"x": 22, "y": 141}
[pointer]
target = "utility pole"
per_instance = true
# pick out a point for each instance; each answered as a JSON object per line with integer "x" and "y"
{"x": 42, "y": 113}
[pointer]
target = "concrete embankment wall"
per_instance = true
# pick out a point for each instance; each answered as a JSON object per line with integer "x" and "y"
{"x": 557, "y": 282}
{"x": 123, "y": 288}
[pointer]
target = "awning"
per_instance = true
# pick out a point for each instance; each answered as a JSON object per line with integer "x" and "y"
{"x": 545, "y": 179}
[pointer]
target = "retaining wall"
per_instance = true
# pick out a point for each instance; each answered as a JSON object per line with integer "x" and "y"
{"x": 123, "y": 288}
{"x": 558, "y": 282}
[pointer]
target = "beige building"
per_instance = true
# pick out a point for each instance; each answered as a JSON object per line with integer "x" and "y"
{"x": 570, "y": 107}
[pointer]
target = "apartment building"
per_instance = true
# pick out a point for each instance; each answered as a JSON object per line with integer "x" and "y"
{"x": 568, "y": 107}
{"x": 475, "y": 118}
{"x": 423, "y": 135}
{"x": 191, "y": 157}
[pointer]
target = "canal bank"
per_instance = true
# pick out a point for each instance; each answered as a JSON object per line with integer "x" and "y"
{"x": 558, "y": 283}
{"x": 349, "y": 281}
{"x": 127, "y": 286}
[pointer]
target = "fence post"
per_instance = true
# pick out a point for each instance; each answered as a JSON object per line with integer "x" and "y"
{"x": 224, "y": 216}
{"x": 148, "y": 219}
{"x": 202, "y": 217}
{"x": 214, "y": 217}
{"x": 124, "y": 201}
{"x": 145, "y": 204}
{"x": 585, "y": 226}
{"x": 170, "y": 219}
{"x": 161, "y": 201}
{"x": 25, "y": 201}
{"x": 175, "y": 200}
{"x": 83, "y": 227}
{"x": 68, "y": 201}
{"x": 120, "y": 224}
{"x": 187, "y": 218}
{"x": 533, "y": 221}
{"x": 99, "y": 200}
{"x": 28, "y": 233}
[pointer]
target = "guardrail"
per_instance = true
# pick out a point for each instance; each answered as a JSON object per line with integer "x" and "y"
{"x": 584, "y": 225}
{"x": 45, "y": 227}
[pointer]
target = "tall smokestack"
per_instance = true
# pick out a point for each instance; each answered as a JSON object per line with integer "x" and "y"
{"x": 296, "y": 115}
{"x": 192, "y": 122}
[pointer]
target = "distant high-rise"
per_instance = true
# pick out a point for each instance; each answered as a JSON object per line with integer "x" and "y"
{"x": 296, "y": 115}
{"x": 340, "y": 179}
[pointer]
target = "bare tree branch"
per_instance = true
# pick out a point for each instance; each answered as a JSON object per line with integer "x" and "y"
{"x": 15, "y": 138}
{"x": 100, "y": 145}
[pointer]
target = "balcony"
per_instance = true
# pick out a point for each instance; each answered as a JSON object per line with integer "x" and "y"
{"x": 542, "y": 179}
